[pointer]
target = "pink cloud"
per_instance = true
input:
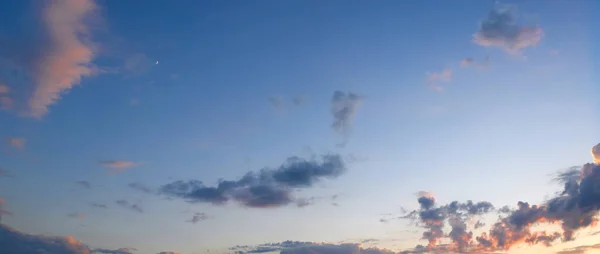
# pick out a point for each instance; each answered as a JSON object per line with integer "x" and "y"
{"x": 433, "y": 79}
{"x": 118, "y": 166}
{"x": 68, "y": 56}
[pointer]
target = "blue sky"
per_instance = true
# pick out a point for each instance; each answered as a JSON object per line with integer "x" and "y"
{"x": 97, "y": 96}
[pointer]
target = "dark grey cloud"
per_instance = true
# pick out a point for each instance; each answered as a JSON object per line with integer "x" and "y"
{"x": 141, "y": 187}
{"x": 15, "y": 242}
{"x": 198, "y": 217}
{"x": 500, "y": 29}
{"x": 84, "y": 184}
{"x": 126, "y": 204}
{"x": 343, "y": 108}
{"x": 268, "y": 187}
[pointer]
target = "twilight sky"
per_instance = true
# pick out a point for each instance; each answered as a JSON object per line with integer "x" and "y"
{"x": 299, "y": 126}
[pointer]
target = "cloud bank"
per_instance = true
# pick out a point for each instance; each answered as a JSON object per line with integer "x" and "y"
{"x": 15, "y": 242}
{"x": 262, "y": 189}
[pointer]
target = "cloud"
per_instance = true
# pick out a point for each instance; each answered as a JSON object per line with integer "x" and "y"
{"x": 141, "y": 187}
{"x": 133, "y": 207}
{"x": 5, "y": 173}
{"x": 470, "y": 62}
{"x": 596, "y": 154}
{"x": 6, "y": 102}
{"x": 298, "y": 247}
{"x": 16, "y": 142}
{"x": 198, "y": 217}
{"x": 103, "y": 206}
{"x": 262, "y": 189}
{"x": 117, "y": 251}
{"x": 579, "y": 249}
{"x": 299, "y": 100}
{"x": 501, "y": 30}
{"x": 4, "y": 89}
{"x": 62, "y": 54}
{"x": 77, "y": 216}
{"x": 118, "y": 166}
{"x": 15, "y": 242}
{"x": 343, "y": 108}
{"x": 433, "y": 79}
{"x": 575, "y": 208}
{"x": 137, "y": 64}
{"x": 169, "y": 252}
{"x": 2, "y": 210}
{"x": 277, "y": 101}
{"x": 84, "y": 184}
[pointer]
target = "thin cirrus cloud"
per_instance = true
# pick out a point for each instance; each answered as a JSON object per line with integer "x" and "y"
{"x": 59, "y": 57}
{"x": 500, "y": 29}
{"x": 267, "y": 188}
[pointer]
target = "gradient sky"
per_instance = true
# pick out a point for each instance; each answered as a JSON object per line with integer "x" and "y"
{"x": 97, "y": 96}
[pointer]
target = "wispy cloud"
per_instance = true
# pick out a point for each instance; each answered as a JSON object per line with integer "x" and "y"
{"x": 580, "y": 249}
{"x": 96, "y": 205}
{"x": 126, "y": 204}
{"x": 6, "y": 102}
{"x": 343, "y": 109}
{"x": 141, "y": 187}
{"x": 262, "y": 189}
{"x": 198, "y": 217}
{"x": 434, "y": 78}
{"x": 277, "y": 101}
{"x": 67, "y": 53}
{"x": 299, "y": 100}
{"x": 84, "y": 184}
{"x": 77, "y": 216}
{"x": 2, "y": 210}
{"x": 16, "y": 142}
{"x": 5, "y": 173}
{"x": 500, "y": 29}
{"x": 118, "y": 166}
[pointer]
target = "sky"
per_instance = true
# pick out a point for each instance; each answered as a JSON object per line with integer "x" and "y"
{"x": 299, "y": 127}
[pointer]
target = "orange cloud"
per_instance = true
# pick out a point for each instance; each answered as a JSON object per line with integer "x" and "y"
{"x": 596, "y": 154}
{"x": 68, "y": 56}
{"x": 434, "y": 78}
{"x": 118, "y": 166}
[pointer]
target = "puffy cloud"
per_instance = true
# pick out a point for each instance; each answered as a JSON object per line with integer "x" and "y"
{"x": 575, "y": 208}
{"x": 265, "y": 188}
{"x": 434, "y": 78}
{"x": 16, "y": 142}
{"x": 343, "y": 108}
{"x": 15, "y": 242}
{"x": 126, "y": 204}
{"x": 500, "y": 29}
{"x": 118, "y": 166}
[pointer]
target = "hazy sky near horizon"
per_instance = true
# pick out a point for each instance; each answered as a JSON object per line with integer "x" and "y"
{"x": 344, "y": 111}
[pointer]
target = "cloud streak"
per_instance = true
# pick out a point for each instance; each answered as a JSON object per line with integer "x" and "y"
{"x": 16, "y": 142}
{"x": 435, "y": 78}
{"x": 117, "y": 166}
{"x": 127, "y": 205}
{"x": 501, "y": 30}
{"x": 262, "y": 189}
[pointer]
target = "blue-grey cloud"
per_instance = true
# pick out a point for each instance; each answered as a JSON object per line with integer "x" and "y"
{"x": 15, "y": 242}
{"x": 500, "y": 29}
{"x": 117, "y": 251}
{"x": 141, "y": 187}
{"x": 84, "y": 184}
{"x": 198, "y": 217}
{"x": 126, "y": 204}
{"x": 343, "y": 108}
{"x": 267, "y": 187}
{"x": 298, "y": 247}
